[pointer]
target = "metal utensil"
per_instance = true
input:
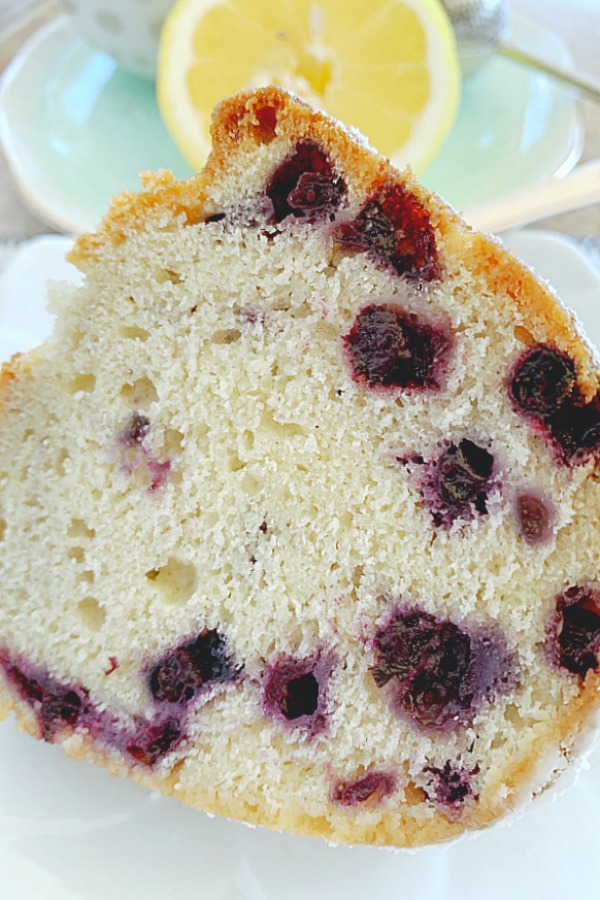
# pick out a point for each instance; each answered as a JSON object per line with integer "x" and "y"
{"x": 479, "y": 27}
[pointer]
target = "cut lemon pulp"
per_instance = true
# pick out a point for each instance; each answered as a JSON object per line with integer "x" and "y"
{"x": 387, "y": 67}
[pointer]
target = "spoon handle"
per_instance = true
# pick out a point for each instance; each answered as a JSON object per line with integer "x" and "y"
{"x": 574, "y": 80}
{"x": 556, "y": 195}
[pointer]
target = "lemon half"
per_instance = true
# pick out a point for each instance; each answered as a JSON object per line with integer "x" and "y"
{"x": 386, "y": 67}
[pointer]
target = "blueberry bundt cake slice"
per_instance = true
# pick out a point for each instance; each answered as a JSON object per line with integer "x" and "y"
{"x": 300, "y": 502}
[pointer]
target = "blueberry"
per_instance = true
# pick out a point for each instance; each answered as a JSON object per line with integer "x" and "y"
{"x": 575, "y": 430}
{"x": 372, "y": 786}
{"x": 543, "y": 387}
{"x": 305, "y": 185}
{"x": 449, "y": 786}
{"x": 152, "y": 740}
{"x": 390, "y": 347}
{"x": 438, "y": 673}
{"x": 56, "y": 705}
{"x": 135, "y": 431}
{"x": 394, "y": 228}
{"x": 458, "y": 483}
{"x": 182, "y": 673}
{"x": 542, "y": 380}
{"x": 295, "y": 691}
{"x": 574, "y": 632}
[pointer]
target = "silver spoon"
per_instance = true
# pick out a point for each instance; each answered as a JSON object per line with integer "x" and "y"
{"x": 479, "y": 26}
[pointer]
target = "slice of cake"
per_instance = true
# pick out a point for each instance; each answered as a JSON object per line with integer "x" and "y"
{"x": 300, "y": 502}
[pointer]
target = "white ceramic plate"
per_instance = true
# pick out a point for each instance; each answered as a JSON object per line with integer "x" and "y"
{"x": 68, "y": 831}
{"x": 77, "y": 130}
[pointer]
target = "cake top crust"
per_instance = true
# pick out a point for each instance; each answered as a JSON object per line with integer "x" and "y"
{"x": 269, "y": 119}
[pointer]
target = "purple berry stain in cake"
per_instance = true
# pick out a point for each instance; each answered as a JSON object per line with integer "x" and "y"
{"x": 390, "y": 347}
{"x": 113, "y": 665}
{"x": 56, "y": 705}
{"x": 132, "y": 439}
{"x": 295, "y": 691}
{"x": 449, "y": 787}
{"x": 543, "y": 387}
{"x": 371, "y": 788}
{"x": 438, "y": 674}
{"x": 458, "y": 483}
{"x": 159, "y": 473}
{"x": 137, "y": 458}
{"x": 534, "y": 517}
{"x": 305, "y": 185}
{"x": 574, "y": 632}
{"x": 394, "y": 228}
{"x": 181, "y": 674}
{"x": 151, "y": 740}
{"x": 135, "y": 431}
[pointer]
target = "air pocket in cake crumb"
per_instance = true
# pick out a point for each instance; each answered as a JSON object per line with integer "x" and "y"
{"x": 326, "y": 332}
{"x": 226, "y": 336}
{"x": 176, "y": 581}
{"x": 134, "y": 333}
{"x": 172, "y": 443}
{"x": 91, "y": 613}
{"x": 77, "y": 553}
{"x": 281, "y": 304}
{"x": 279, "y": 431}
{"x": 356, "y": 579}
{"x": 524, "y": 336}
{"x": 142, "y": 393}
{"x": 79, "y": 529}
{"x": 86, "y": 577}
{"x": 83, "y": 383}
{"x": 234, "y": 463}
{"x": 60, "y": 460}
{"x": 165, "y": 275}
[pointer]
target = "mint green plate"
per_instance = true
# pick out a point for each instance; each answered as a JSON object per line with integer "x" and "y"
{"x": 76, "y": 129}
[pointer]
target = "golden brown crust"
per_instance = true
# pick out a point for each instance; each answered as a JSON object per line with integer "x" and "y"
{"x": 547, "y": 319}
{"x": 392, "y": 829}
{"x": 255, "y": 118}
{"x": 246, "y": 119}
{"x": 8, "y": 373}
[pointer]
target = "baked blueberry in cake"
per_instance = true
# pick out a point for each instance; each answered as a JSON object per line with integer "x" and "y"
{"x": 299, "y": 504}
